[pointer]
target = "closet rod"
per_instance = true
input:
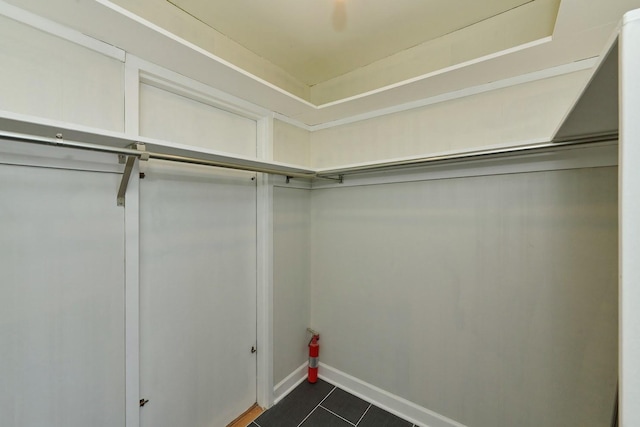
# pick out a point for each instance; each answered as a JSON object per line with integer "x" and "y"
{"x": 219, "y": 164}
{"x": 59, "y": 142}
{"x": 471, "y": 155}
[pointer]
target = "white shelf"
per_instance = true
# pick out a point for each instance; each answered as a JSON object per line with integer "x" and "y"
{"x": 44, "y": 131}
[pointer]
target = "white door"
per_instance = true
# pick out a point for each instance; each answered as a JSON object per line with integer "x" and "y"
{"x": 61, "y": 297}
{"x": 197, "y": 295}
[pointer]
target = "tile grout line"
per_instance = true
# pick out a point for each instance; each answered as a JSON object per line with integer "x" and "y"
{"x": 331, "y": 412}
{"x": 365, "y": 413}
{"x": 325, "y": 398}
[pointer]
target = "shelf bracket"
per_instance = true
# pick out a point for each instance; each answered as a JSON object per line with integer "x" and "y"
{"x": 128, "y": 162}
{"x": 124, "y": 183}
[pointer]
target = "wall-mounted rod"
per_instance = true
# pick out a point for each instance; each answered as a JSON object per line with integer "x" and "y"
{"x": 59, "y": 142}
{"x": 228, "y": 165}
{"x": 332, "y": 174}
{"x": 467, "y": 156}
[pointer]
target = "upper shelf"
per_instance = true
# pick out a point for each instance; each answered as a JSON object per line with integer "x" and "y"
{"x": 51, "y": 132}
{"x": 594, "y": 117}
{"x": 574, "y": 40}
{"x": 595, "y": 112}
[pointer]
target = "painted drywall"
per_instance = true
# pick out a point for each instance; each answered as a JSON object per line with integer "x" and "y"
{"x": 49, "y": 77}
{"x": 291, "y": 274}
{"x": 291, "y": 144}
{"x": 511, "y": 115}
{"x": 629, "y": 225}
{"x": 62, "y": 308}
{"x": 489, "y": 300}
{"x": 45, "y": 76}
{"x": 170, "y": 117}
{"x": 197, "y": 295}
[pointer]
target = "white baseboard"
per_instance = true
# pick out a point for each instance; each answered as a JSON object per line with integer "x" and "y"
{"x": 385, "y": 400}
{"x": 287, "y": 385}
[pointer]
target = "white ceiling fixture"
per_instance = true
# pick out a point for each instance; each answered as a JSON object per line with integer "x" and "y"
{"x": 339, "y": 16}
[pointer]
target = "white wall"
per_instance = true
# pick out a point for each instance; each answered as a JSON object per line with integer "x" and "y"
{"x": 489, "y": 300}
{"x": 292, "y": 259}
{"x": 197, "y": 295}
{"x": 511, "y": 115}
{"x": 51, "y": 78}
{"x": 62, "y": 308}
{"x": 629, "y": 226}
{"x": 46, "y": 76}
{"x": 170, "y": 117}
{"x": 291, "y": 144}
{"x": 359, "y": 286}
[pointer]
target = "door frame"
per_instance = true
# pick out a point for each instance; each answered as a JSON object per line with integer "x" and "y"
{"x": 135, "y": 70}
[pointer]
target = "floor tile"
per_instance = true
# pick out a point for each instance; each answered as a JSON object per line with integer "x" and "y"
{"x": 291, "y": 410}
{"x": 323, "y": 418}
{"x": 346, "y": 405}
{"x": 376, "y": 417}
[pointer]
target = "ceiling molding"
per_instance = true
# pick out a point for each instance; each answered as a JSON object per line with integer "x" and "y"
{"x": 561, "y": 70}
{"x": 115, "y": 26}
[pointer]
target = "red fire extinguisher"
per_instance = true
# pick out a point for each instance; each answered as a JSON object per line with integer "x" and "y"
{"x": 314, "y": 352}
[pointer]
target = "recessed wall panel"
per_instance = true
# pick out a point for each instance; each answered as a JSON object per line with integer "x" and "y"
{"x": 167, "y": 116}
{"x": 291, "y": 273}
{"x": 62, "y": 320}
{"x": 45, "y": 76}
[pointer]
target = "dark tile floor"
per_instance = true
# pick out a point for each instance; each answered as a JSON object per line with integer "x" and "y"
{"x": 324, "y": 405}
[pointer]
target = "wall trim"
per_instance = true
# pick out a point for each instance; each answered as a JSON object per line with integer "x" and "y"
{"x": 561, "y": 70}
{"x": 629, "y": 228}
{"x": 389, "y": 402}
{"x": 162, "y": 78}
{"x": 291, "y": 381}
{"x": 264, "y": 268}
{"x": 57, "y": 30}
{"x": 132, "y": 299}
{"x": 444, "y": 70}
{"x": 558, "y": 71}
{"x": 293, "y": 122}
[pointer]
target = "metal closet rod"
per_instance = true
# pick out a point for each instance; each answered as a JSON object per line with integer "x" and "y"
{"x": 58, "y": 142}
{"x": 471, "y": 155}
{"x": 335, "y": 174}
{"x": 196, "y": 161}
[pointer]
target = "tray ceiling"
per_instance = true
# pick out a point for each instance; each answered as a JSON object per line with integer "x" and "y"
{"x": 317, "y": 40}
{"x": 487, "y": 55}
